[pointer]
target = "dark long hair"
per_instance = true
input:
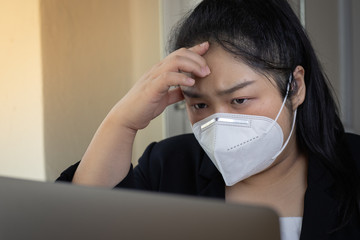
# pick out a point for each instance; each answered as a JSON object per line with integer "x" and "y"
{"x": 268, "y": 36}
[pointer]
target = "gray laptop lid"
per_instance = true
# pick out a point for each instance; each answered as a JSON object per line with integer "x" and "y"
{"x": 37, "y": 210}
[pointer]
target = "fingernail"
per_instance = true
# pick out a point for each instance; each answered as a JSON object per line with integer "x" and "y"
{"x": 205, "y": 70}
{"x": 203, "y": 44}
{"x": 190, "y": 81}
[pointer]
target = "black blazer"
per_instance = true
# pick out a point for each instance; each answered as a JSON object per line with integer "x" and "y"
{"x": 179, "y": 165}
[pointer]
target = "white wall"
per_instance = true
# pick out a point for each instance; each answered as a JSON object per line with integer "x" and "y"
{"x": 21, "y": 112}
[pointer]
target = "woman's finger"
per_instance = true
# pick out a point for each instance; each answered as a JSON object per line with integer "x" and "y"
{"x": 200, "y": 49}
{"x": 187, "y": 60}
{"x": 195, "y": 53}
{"x": 183, "y": 63}
{"x": 175, "y": 95}
{"x": 169, "y": 79}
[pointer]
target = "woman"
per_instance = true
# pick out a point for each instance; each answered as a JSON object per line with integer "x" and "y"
{"x": 266, "y": 128}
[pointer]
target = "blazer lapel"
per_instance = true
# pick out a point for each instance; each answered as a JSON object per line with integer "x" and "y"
{"x": 319, "y": 205}
{"x": 210, "y": 182}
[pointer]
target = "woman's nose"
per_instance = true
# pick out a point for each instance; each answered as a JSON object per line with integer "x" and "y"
{"x": 223, "y": 108}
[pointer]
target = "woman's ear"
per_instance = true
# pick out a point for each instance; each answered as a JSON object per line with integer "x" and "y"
{"x": 298, "y": 87}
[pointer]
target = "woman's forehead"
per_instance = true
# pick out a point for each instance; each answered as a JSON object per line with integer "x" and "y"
{"x": 227, "y": 73}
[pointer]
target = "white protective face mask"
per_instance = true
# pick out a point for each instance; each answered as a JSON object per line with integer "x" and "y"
{"x": 241, "y": 145}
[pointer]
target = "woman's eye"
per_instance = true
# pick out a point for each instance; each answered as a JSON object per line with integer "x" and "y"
{"x": 239, "y": 100}
{"x": 200, "y": 106}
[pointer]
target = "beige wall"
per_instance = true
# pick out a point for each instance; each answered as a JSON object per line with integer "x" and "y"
{"x": 92, "y": 55}
{"x": 64, "y": 64}
{"x": 21, "y": 122}
{"x": 86, "y": 69}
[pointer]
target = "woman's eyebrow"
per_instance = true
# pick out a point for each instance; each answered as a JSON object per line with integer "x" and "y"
{"x": 189, "y": 92}
{"x": 235, "y": 88}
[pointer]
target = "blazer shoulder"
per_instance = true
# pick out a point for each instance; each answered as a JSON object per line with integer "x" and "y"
{"x": 170, "y": 165}
{"x": 353, "y": 137}
{"x": 185, "y": 144}
{"x": 353, "y": 143}
{"x": 183, "y": 139}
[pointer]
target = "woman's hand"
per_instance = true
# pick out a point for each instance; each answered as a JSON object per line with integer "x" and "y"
{"x": 152, "y": 94}
{"x": 107, "y": 160}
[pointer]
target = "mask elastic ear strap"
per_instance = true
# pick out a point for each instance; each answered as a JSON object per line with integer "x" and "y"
{"x": 294, "y": 118}
{"x": 287, "y": 140}
{"x": 283, "y": 103}
{"x": 287, "y": 94}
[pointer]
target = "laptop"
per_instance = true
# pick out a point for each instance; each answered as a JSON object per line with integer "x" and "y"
{"x": 43, "y": 210}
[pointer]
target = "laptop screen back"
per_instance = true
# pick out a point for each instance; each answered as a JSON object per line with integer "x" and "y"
{"x": 37, "y": 210}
